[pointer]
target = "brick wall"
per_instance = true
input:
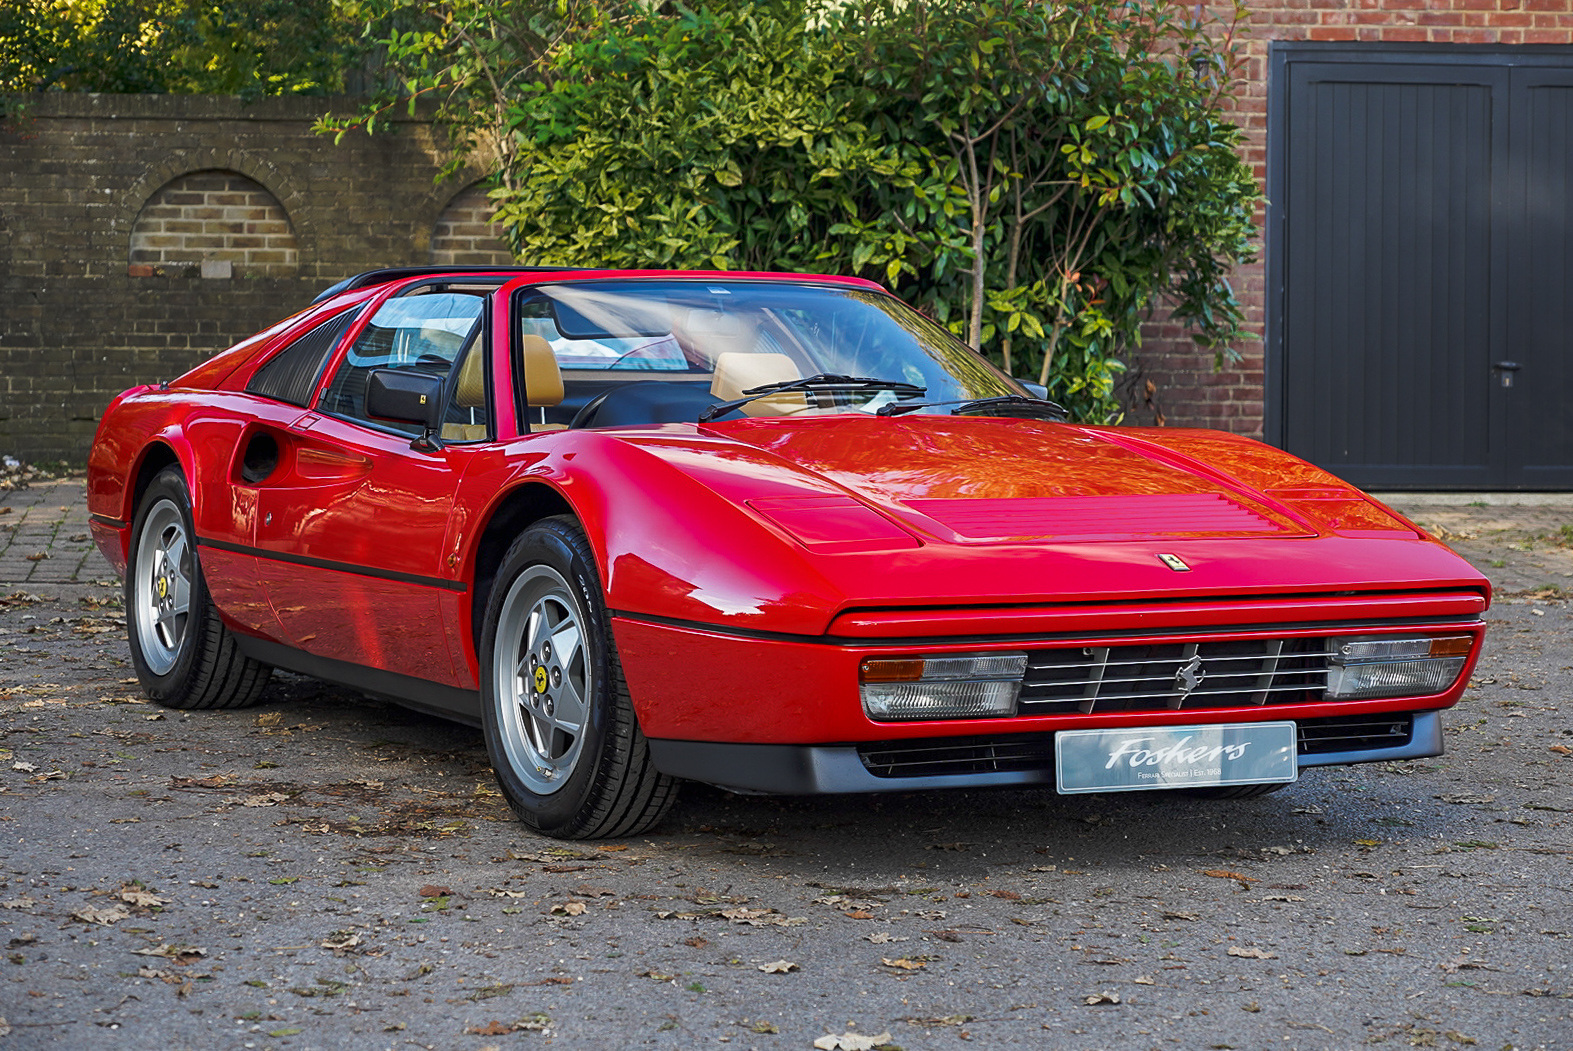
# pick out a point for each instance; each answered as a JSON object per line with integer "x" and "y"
{"x": 465, "y": 234}
{"x": 1185, "y": 388}
{"x": 83, "y": 176}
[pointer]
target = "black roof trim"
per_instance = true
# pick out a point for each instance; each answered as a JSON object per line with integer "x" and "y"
{"x": 378, "y": 277}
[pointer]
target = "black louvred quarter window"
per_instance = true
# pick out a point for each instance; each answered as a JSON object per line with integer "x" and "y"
{"x": 292, "y": 374}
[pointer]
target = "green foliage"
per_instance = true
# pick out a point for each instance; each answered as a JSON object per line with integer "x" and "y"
{"x": 231, "y": 47}
{"x": 1038, "y": 177}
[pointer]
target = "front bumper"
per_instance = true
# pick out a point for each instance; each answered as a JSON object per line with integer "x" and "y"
{"x": 1005, "y": 760}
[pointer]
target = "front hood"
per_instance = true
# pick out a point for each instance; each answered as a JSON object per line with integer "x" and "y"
{"x": 937, "y": 511}
{"x": 981, "y": 480}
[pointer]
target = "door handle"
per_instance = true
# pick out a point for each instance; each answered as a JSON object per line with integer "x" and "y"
{"x": 1506, "y": 369}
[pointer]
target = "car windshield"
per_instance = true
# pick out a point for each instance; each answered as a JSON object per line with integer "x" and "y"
{"x": 729, "y": 337}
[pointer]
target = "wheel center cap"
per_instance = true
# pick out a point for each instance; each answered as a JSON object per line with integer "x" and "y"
{"x": 540, "y": 678}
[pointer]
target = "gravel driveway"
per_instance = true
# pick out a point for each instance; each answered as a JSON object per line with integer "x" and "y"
{"x": 329, "y": 871}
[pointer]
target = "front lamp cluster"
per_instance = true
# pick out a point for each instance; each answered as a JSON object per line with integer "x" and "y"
{"x": 944, "y": 687}
{"x": 1363, "y": 666}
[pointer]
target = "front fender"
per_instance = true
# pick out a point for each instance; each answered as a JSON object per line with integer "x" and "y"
{"x": 666, "y": 544}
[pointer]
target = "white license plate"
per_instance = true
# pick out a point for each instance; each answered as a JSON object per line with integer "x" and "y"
{"x": 1137, "y": 758}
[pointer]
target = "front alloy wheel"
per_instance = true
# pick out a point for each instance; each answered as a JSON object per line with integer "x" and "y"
{"x": 543, "y": 677}
{"x": 560, "y": 729}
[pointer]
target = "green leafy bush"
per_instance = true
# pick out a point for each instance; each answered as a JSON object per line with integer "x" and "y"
{"x": 1038, "y": 177}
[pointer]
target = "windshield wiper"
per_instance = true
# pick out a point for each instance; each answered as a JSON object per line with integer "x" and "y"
{"x": 820, "y": 383}
{"x": 1018, "y": 405}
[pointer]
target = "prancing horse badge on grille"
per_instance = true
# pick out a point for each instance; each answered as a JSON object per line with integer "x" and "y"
{"x": 1175, "y": 562}
{"x": 1189, "y": 676}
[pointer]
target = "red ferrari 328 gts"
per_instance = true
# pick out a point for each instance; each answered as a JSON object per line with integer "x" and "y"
{"x": 773, "y": 532}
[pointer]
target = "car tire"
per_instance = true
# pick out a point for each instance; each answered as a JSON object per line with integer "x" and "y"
{"x": 183, "y": 654}
{"x": 560, "y": 729}
{"x": 1237, "y": 791}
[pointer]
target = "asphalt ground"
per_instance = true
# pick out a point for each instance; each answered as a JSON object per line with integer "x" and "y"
{"x": 329, "y": 871}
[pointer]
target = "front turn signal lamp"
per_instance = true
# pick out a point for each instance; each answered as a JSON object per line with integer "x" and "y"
{"x": 967, "y": 686}
{"x": 1365, "y": 666}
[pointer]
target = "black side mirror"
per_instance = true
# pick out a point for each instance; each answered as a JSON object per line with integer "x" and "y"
{"x": 407, "y": 397}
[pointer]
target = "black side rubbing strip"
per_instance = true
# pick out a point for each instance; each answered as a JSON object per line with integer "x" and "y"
{"x": 291, "y": 375}
{"x": 338, "y": 567}
{"x": 113, "y": 523}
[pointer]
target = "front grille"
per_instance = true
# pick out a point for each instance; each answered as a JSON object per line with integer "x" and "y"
{"x": 1168, "y": 676}
{"x": 1352, "y": 733}
{"x": 938, "y": 756}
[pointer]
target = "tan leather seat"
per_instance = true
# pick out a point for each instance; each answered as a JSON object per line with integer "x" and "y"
{"x": 737, "y": 372}
{"x": 543, "y": 380}
{"x": 469, "y": 392}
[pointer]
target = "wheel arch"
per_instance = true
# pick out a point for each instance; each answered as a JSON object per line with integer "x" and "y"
{"x": 517, "y": 509}
{"x": 155, "y": 456}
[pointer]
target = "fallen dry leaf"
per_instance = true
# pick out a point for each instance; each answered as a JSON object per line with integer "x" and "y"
{"x": 492, "y": 1028}
{"x": 1101, "y": 998}
{"x": 851, "y": 1042}
{"x": 181, "y": 955}
{"x": 904, "y": 964}
{"x": 1252, "y": 954}
{"x": 266, "y": 799}
{"x": 114, "y": 914}
{"x": 779, "y": 967}
{"x": 762, "y": 918}
{"x": 431, "y": 890}
{"x": 339, "y": 941}
{"x": 569, "y": 908}
{"x": 268, "y": 719}
{"x": 885, "y": 937}
{"x": 23, "y": 767}
{"x": 141, "y": 898}
{"x": 1226, "y": 874}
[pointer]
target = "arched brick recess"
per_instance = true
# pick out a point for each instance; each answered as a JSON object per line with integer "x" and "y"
{"x": 215, "y": 215}
{"x": 257, "y": 167}
{"x": 465, "y": 235}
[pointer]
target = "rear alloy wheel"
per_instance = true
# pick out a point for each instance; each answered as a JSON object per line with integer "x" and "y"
{"x": 560, "y": 729}
{"x": 183, "y": 654}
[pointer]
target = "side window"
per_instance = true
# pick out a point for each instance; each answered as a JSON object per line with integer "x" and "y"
{"x": 291, "y": 375}
{"x": 421, "y": 333}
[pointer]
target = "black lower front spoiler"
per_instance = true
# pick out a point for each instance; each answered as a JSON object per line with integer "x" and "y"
{"x": 793, "y": 769}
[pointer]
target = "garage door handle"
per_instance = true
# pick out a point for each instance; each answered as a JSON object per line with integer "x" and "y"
{"x": 1507, "y": 366}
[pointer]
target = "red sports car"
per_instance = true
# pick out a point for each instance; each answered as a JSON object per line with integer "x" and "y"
{"x": 774, "y": 532}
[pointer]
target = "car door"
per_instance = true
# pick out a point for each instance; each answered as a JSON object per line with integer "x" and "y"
{"x": 353, "y": 536}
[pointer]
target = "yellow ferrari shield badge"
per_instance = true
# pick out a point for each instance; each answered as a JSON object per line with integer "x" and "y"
{"x": 540, "y": 680}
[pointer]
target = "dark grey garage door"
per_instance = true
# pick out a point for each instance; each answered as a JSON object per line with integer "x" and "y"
{"x": 1420, "y": 327}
